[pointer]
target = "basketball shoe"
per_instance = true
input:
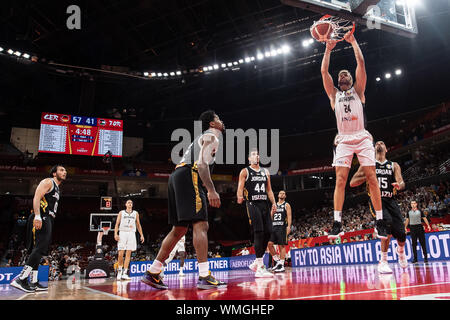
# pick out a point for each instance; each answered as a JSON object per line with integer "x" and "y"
{"x": 336, "y": 230}
{"x": 22, "y": 285}
{"x": 383, "y": 267}
{"x": 253, "y": 266}
{"x": 38, "y": 287}
{"x": 209, "y": 282}
{"x": 154, "y": 280}
{"x": 402, "y": 261}
{"x": 263, "y": 273}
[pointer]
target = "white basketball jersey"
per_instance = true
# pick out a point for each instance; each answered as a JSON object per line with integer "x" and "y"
{"x": 349, "y": 112}
{"x": 128, "y": 221}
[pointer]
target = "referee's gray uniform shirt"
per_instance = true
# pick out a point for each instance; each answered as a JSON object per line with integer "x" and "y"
{"x": 415, "y": 217}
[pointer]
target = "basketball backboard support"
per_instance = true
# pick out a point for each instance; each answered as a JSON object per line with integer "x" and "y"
{"x": 395, "y": 16}
{"x": 99, "y": 220}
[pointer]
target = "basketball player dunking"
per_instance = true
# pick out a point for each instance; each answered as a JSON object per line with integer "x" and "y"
{"x": 254, "y": 185}
{"x": 390, "y": 179}
{"x": 39, "y": 228}
{"x": 281, "y": 227}
{"x": 125, "y": 234}
{"x": 188, "y": 203}
{"x": 348, "y": 103}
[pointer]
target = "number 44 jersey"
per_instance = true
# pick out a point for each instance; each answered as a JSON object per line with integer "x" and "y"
{"x": 256, "y": 185}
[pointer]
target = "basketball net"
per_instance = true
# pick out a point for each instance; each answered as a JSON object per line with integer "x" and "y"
{"x": 338, "y": 26}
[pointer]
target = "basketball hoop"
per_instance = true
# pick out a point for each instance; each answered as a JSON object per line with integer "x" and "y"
{"x": 331, "y": 28}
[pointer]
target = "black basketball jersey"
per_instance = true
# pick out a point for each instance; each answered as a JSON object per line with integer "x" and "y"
{"x": 255, "y": 187}
{"x": 280, "y": 216}
{"x": 386, "y": 177}
{"x": 49, "y": 203}
{"x": 192, "y": 154}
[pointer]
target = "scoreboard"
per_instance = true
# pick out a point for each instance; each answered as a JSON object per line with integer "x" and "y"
{"x": 68, "y": 134}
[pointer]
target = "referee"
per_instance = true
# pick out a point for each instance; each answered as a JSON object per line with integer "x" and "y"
{"x": 414, "y": 219}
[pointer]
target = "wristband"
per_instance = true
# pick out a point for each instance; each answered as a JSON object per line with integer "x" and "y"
{"x": 38, "y": 218}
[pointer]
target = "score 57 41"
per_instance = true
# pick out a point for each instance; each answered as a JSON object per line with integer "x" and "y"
{"x": 84, "y": 120}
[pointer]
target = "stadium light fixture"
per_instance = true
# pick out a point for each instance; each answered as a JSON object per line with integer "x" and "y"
{"x": 388, "y": 75}
{"x": 398, "y": 72}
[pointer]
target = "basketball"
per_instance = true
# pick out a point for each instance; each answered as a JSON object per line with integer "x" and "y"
{"x": 322, "y": 32}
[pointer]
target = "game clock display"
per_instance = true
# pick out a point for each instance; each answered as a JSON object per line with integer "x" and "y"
{"x": 68, "y": 134}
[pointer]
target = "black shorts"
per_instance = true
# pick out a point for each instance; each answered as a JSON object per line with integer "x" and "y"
{"x": 279, "y": 235}
{"x": 187, "y": 198}
{"x": 39, "y": 239}
{"x": 392, "y": 216}
{"x": 259, "y": 216}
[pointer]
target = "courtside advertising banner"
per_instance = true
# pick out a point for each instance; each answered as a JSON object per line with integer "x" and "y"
{"x": 8, "y": 274}
{"x": 438, "y": 247}
{"x": 138, "y": 268}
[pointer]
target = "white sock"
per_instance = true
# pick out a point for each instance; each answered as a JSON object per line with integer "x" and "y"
{"x": 203, "y": 269}
{"x": 384, "y": 256}
{"x": 281, "y": 261}
{"x": 276, "y": 258}
{"x": 25, "y": 272}
{"x": 156, "y": 267}
{"x": 125, "y": 271}
{"x": 337, "y": 216}
{"x": 379, "y": 214}
{"x": 34, "y": 276}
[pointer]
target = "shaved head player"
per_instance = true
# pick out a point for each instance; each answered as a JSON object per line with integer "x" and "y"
{"x": 348, "y": 104}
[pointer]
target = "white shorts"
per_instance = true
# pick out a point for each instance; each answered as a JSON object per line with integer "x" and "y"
{"x": 127, "y": 241}
{"x": 346, "y": 145}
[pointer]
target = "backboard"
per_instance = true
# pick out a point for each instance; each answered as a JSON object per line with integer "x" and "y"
{"x": 396, "y": 16}
{"x": 99, "y": 220}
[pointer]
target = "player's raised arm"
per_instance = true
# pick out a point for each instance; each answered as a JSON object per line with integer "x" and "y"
{"x": 361, "y": 75}
{"x": 241, "y": 183}
{"x": 358, "y": 178}
{"x": 328, "y": 84}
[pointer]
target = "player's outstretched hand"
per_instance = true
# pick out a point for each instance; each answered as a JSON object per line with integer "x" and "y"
{"x": 331, "y": 44}
{"x": 349, "y": 37}
{"x": 214, "y": 199}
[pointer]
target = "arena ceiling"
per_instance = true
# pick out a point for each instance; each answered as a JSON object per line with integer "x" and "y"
{"x": 137, "y": 36}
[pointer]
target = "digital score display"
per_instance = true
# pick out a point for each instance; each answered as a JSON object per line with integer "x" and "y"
{"x": 67, "y": 134}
